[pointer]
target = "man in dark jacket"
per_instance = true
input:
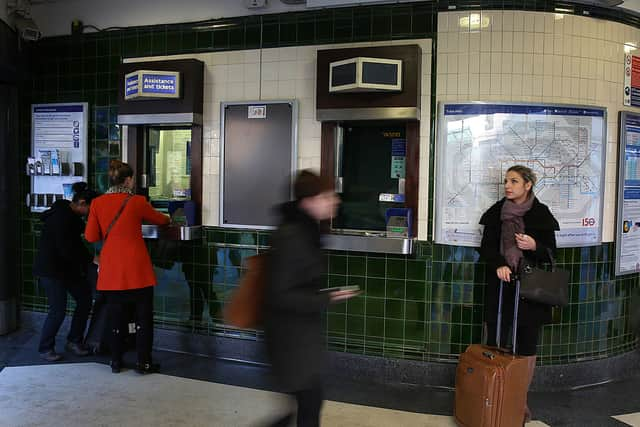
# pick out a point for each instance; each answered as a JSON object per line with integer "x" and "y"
{"x": 293, "y": 302}
{"x": 61, "y": 265}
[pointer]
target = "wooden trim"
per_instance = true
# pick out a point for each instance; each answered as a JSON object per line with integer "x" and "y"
{"x": 327, "y": 150}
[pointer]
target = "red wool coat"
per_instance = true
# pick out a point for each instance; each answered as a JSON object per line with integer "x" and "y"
{"x": 124, "y": 261}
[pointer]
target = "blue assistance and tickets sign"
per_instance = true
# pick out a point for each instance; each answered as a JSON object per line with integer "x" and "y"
{"x": 146, "y": 84}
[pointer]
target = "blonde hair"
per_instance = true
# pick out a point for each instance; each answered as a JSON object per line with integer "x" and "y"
{"x": 526, "y": 173}
{"x": 118, "y": 172}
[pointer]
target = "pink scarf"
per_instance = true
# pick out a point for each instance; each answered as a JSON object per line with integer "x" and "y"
{"x": 512, "y": 222}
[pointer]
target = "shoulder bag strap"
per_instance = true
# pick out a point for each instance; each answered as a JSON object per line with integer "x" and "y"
{"x": 115, "y": 219}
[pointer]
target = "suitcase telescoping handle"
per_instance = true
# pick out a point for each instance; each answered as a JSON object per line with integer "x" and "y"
{"x": 515, "y": 279}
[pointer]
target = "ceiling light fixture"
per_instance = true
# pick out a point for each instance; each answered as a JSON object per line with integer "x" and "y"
{"x": 474, "y": 21}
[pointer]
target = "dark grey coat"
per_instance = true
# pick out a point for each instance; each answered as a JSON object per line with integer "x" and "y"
{"x": 294, "y": 309}
{"x": 540, "y": 224}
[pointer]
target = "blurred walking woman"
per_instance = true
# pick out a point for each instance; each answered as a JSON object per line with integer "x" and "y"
{"x": 61, "y": 264}
{"x": 294, "y": 306}
{"x": 515, "y": 227}
{"x": 126, "y": 273}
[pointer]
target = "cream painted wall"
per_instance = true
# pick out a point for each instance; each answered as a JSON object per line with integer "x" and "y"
{"x": 539, "y": 57}
{"x": 284, "y": 73}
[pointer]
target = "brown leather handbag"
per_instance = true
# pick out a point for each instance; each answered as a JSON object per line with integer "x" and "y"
{"x": 244, "y": 310}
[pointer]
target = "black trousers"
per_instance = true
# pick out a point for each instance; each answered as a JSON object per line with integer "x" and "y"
{"x": 117, "y": 304}
{"x": 527, "y": 337}
{"x": 309, "y": 406}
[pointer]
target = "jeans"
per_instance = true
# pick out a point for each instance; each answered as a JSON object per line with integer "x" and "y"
{"x": 57, "y": 290}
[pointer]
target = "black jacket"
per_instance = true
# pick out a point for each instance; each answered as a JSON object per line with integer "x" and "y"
{"x": 293, "y": 321}
{"x": 540, "y": 224}
{"x": 61, "y": 252}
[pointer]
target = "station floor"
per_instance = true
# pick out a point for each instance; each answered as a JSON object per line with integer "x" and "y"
{"x": 200, "y": 391}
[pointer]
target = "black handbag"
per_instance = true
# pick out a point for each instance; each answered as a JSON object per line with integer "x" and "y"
{"x": 544, "y": 286}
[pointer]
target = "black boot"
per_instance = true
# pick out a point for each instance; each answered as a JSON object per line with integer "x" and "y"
{"x": 116, "y": 366}
{"x": 147, "y": 368}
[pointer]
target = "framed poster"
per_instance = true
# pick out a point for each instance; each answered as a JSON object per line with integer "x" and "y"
{"x": 628, "y": 214}
{"x": 478, "y": 142}
{"x": 59, "y": 153}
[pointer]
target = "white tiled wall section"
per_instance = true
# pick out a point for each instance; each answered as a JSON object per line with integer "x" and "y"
{"x": 538, "y": 57}
{"x": 283, "y": 73}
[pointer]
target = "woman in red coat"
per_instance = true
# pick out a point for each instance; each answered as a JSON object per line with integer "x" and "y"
{"x": 126, "y": 273}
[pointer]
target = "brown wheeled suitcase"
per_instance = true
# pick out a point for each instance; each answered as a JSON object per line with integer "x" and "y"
{"x": 491, "y": 383}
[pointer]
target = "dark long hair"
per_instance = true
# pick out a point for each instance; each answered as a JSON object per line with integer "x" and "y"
{"x": 81, "y": 191}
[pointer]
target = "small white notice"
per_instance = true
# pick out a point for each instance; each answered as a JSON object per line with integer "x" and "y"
{"x": 257, "y": 112}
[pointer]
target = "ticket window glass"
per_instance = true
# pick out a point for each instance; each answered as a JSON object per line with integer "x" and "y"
{"x": 368, "y": 167}
{"x": 168, "y": 164}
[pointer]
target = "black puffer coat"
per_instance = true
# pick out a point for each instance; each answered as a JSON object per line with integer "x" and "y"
{"x": 61, "y": 251}
{"x": 293, "y": 318}
{"x": 541, "y": 225}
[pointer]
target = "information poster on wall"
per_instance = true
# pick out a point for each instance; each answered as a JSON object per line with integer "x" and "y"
{"x": 58, "y": 152}
{"x": 631, "y": 80}
{"x": 628, "y": 218}
{"x": 478, "y": 142}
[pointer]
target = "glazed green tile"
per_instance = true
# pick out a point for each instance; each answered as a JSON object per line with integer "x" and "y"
{"x": 252, "y": 36}
{"x": 130, "y": 46}
{"x": 342, "y": 29}
{"x": 394, "y": 329}
{"x": 159, "y": 43}
{"x": 396, "y": 269}
{"x": 415, "y": 331}
{"x": 287, "y": 33}
{"x": 375, "y": 307}
{"x": 335, "y": 280}
{"x": 305, "y": 31}
{"x": 356, "y": 306}
{"x": 264, "y": 239}
{"x": 173, "y": 41}
{"x": 416, "y": 291}
{"x": 441, "y": 292}
{"x": 270, "y": 33}
{"x": 188, "y": 40}
{"x": 381, "y": 24}
{"x": 145, "y": 42}
{"x": 374, "y": 327}
{"x": 375, "y": 288}
{"x": 362, "y": 24}
{"x": 415, "y": 311}
{"x": 416, "y": 270}
{"x": 395, "y": 289}
{"x": 336, "y": 323}
{"x": 204, "y": 40}
{"x": 337, "y": 264}
{"x": 324, "y": 29}
{"x": 356, "y": 265}
{"x": 355, "y": 325}
{"x": 394, "y": 309}
{"x": 401, "y": 21}
{"x": 376, "y": 267}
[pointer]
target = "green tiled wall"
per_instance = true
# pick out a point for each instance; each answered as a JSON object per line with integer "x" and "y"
{"x": 424, "y": 307}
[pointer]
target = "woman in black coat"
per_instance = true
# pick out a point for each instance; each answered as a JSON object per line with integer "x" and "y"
{"x": 293, "y": 321}
{"x": 515, "y": 227}
{"x": 61, "y": 264}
